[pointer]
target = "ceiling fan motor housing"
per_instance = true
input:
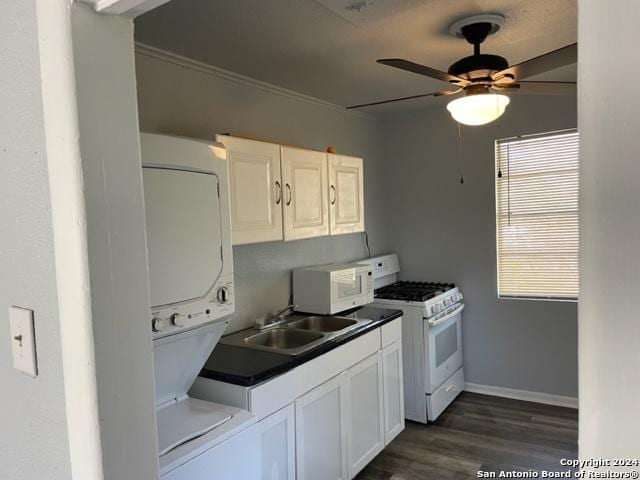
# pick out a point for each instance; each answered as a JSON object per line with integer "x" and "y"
{"x": 478, "y": 66}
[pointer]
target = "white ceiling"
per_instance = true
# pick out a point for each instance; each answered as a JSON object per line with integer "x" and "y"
{"x": 305, "y": 46}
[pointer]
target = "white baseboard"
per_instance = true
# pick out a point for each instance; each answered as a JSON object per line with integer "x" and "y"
{"x": 525, "y": 395}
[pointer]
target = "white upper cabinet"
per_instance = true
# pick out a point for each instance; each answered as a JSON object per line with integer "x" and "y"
{"x": 288, "y": 193}
{"x": 304, "y": 180}
{"x": 346, "y": 194}
{"x": 256, "y": 190}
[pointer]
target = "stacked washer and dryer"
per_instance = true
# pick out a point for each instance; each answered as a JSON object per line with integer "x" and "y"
{"x": 192, "y": 297}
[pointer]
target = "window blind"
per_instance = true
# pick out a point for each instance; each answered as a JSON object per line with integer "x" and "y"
{"x": 537, "y": 216}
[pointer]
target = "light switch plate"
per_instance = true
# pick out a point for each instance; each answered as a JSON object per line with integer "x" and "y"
{"x": 23, "y": 345}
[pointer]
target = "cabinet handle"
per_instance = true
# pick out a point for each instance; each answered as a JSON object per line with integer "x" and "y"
{"x": 333, "y": 190}
{"x": 288, "y": 187}
{"x": 278, "y": 192}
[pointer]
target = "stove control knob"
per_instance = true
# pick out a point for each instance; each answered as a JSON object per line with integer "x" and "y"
{"x": 222, "y": 295}
{"x": 177, "y": 320}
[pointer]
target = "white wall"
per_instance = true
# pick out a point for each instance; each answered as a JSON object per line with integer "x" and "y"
{"x": 33, "y": 428}
{"x": 73, "y": 248}
{"x": 610, "y": 231}
{"x": 193, "y": 100}
{"x": 116, "y": 244}
{"x": 445, "y": 231}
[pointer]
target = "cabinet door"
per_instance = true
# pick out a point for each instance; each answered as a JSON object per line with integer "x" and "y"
{"x": 277, "y": 445}
{"x": 321, "y": 436}
{"x": 365, "y": 431}
{"x": 306, "y": 207}
{"x": 346, "y": 194}
{"x": 393, "y": 391}
{"x": 256, "y": 190}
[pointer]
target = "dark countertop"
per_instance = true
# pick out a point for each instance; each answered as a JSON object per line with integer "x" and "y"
{"x": 247, "y": 367}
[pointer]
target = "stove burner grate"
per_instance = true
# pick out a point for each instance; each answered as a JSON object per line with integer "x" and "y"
{"x": 413, "y": 291}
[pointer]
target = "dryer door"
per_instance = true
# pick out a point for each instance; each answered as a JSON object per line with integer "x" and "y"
{"x": 184, "y": 233}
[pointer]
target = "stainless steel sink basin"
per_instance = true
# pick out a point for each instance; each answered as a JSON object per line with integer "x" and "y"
{"x": 283, "y": 338}
{"x": 296, "y": 334}
{"x": 319, "y": 323}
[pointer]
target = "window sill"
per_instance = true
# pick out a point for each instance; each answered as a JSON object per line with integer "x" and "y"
{"x": 539, "y": 299}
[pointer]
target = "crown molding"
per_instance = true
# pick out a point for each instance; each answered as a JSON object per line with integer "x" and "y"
{"x": 191, "y": 64}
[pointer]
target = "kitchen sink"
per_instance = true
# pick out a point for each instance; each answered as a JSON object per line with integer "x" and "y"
{"x": 319, "y": 323}
{"x": 283, "y": 338}
{"x": 295, "y": 334}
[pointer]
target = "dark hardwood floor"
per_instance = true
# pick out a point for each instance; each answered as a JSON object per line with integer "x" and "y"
{"x": 480, "y": 432}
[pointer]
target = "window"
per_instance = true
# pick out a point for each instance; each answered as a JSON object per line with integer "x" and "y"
{"x": 537, "y": 216}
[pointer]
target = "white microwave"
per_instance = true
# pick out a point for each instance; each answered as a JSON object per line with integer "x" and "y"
{"x": 329, "y": 289}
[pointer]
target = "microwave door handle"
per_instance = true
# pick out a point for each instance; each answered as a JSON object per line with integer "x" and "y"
{"x": 435, "y": 323}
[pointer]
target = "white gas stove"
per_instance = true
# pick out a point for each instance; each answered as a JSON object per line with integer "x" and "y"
{"x": 431, "y": 337}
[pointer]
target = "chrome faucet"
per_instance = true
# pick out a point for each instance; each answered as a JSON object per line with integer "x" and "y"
{"x": 273, "y": 320}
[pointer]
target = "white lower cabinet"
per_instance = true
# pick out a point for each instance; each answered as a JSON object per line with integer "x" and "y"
{"x": 340, "y": 424}
{"x": 278, "y": 445}
{"x": 393, "y": 391}
{"x": 321, "y": 432}
{"x": 328, "y": 417}
{"x": 365, "y": 433}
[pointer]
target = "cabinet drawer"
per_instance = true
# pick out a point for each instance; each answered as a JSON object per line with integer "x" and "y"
{"x": 441, "y": 398}
{"x": 272, "y": 395}
{"x": 336, "y": 361}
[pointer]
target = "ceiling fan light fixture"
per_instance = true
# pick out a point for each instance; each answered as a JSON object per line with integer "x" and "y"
{"x": 478, "y": 109}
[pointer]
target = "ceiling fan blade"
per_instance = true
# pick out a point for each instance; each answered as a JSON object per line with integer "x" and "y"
{"x": 505, "y": 87}
{"x": 382, "y": 102}
{"x": 443, "y": 93}
{"x": 537, "y": 88}
{"x": 543, "y": 63}
{"x": 422, "y": 70}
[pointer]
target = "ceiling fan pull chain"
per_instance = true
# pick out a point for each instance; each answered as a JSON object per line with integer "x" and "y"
{"x": 498, "y": 147}
{"x": 460, "y": 154}
{"x": 508, "y": 185}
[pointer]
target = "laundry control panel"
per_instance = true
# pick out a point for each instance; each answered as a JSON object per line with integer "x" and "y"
{"x": 219, "y": 302}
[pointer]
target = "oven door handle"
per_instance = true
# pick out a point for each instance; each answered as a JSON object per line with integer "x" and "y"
{"x": 435, "y": 323}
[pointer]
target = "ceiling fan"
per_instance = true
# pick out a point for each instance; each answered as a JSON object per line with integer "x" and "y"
{"x": 484, "y": 78}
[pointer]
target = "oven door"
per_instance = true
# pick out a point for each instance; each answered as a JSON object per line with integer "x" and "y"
{"x": 443, "y": 345}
